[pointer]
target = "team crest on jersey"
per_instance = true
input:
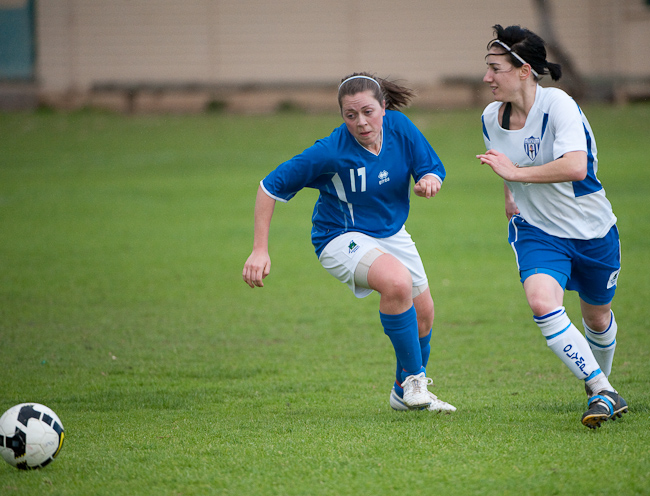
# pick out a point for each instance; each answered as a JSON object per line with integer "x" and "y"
{"x": 531, "y": 145}
{"x": 383, "y": 177}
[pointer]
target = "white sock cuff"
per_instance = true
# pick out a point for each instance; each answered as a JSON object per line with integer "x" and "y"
{"x": 602, "y": 339}
{"x": 599, "y": 383}
{"x": 553, "y": 323}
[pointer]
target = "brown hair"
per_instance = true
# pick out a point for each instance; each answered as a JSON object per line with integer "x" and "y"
{"x": 395, "y": 95}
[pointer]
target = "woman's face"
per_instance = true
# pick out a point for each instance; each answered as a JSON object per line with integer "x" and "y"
{"x": 501, "y": 75}
{"x": 363, "y": 116}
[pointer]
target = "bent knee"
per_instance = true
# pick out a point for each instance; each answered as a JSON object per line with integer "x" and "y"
{"x": 541, "y": 304}
{"x": 598, "y": 323}
{"x": 424, "y": 325}
{"x": 425, "y": 311}
{"x": 397, "y": 286}
{"x": 390, "y": 277}
{"x": 543, "y": 293}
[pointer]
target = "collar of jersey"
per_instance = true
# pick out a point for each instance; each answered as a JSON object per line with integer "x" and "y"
{"x": 380, "y": 148}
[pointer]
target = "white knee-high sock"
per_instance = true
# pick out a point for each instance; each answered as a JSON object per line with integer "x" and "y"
{"x": 603, "y": 344}
{"x": 568, "y": 343}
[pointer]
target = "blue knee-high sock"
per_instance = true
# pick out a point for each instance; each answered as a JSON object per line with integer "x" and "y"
{"x": 425, "y": 347}
{"x": 402, "y": 329}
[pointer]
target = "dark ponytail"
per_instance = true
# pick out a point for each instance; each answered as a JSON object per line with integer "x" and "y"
{"x": 529, "y": 46}
{"x": 555, "y": 70}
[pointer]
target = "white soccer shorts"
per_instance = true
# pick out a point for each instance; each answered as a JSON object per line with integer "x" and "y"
{"x": 342, "y": 255}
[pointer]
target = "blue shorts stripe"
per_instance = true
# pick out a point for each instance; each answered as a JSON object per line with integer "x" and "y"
{"x": 561, "y": 279}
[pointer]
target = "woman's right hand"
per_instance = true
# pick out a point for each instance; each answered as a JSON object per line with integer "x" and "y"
{"x": 511, "y": 209}
{"x": 256, "y": 268}
{"x": 258, "y": 265}
{"x": 511, "y": 206}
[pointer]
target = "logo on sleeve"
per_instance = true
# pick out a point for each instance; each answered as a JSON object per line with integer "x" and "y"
{"x": 531, "y": 146}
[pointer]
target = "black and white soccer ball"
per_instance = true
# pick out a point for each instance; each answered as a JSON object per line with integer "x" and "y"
{"x": 31, "y": 435}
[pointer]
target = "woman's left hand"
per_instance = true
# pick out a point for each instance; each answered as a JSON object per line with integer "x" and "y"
{"x": 427, "y": 187}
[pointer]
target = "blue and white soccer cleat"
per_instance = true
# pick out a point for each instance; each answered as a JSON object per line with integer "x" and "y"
{"x": 436, "y": 405}
{"x": 603, "y": 406}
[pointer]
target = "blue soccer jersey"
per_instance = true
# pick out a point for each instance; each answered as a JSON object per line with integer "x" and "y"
{"x": 359, "y": 191}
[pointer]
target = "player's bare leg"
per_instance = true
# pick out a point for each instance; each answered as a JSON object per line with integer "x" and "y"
{"x": 545, "y": 297}
{"x": 393, "y": 281}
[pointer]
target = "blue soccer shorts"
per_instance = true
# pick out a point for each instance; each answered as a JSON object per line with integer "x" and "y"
{"x": 590, "y": 267}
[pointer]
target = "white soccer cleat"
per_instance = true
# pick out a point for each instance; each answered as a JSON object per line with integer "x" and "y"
{"x": 396, "y": 402}
{"x": 416, "y": 394}
{"x": 437, "y": 405}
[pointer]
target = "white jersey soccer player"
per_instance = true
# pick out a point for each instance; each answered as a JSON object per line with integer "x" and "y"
{"x": 554, "y": 126}
{"x": 561, "y": 225}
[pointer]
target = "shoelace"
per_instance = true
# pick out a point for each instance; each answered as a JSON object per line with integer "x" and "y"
{"x": 418, "y": 383}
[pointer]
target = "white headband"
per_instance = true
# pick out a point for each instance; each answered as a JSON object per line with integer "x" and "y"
{"x": 516, "y": 56}
{"x": 360, "y": 77}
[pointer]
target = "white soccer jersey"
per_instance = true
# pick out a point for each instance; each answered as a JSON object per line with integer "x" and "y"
{"x": 555, "y": 125}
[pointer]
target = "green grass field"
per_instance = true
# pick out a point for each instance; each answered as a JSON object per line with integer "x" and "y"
{"x": 122, "y": 307}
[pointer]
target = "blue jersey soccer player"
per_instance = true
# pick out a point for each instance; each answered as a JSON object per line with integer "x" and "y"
{"x": 363, "y": 172}
{"x": 562, "y": 228}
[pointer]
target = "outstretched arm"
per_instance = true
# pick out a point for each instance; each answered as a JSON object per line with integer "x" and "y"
{"x": 571, "y": 166}
{"x": 258, "y": 265}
